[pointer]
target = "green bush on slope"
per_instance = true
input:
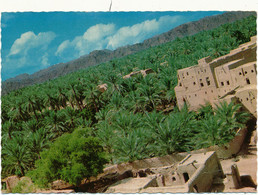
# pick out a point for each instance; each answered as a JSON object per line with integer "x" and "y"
{"x": 72, "y": 157}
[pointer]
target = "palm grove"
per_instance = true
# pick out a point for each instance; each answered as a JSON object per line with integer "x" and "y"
{"x": 67, "y": 129}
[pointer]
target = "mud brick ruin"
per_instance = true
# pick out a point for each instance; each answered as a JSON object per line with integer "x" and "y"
{"x": 194, "y": 173}
{"x": 230, "y": 77}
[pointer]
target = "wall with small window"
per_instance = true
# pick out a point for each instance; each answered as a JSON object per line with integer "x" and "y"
{"x": 248, "y": 98}
{"x": 223, "y": 77}
{"x": 245, "y": 75}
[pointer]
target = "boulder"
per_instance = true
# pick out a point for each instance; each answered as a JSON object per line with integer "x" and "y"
{"x": 61, "y": 185}
{"x": 11, "y": 182}
{"x": 102, "y": 88}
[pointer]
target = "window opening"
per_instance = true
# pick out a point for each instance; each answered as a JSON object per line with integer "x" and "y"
{"x": 186, "y": 177}
{"x": 228, "y": 82}
{"x": 208, "y": 81}
{"x": 248, "y": 81}
{"x": 222, "y": 84}
{"x": 240, "y": 73}
{"x": 201, "y": 84}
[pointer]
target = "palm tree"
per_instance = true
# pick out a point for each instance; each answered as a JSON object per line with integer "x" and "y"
{"x": 116, "y": 101}
{"x": 50, "y": 102}
{"x": 205, "y": 111}
{"x": 153, "y": 119}
{"x": 75, "y": 96}
{"x": 62, "y": 98}
{"x": 55, "y": 123}
{"x": 175, "y": 133}
{"x": 16, "y": 158}
{"x": 39, "y": 141}
{"x": 71, "y": 118}
{"x": 38, "y": 103}
{"x": 231, "y": 113}
{"x": 92, "y": 96}
{"x": 131, "y": 146}
{"x": 232, "y": 118}
{"x": 8, "y": 127}
{"x": 133, "y": 102}
{"x": 126, "y": 121}
{"x": 107, "y": 136}
{"x": 113, "y": 79}
{"x": 30, "y": 106}
{"x": 210, "y": 129}
{"x": 17, "y": 112}
{"x": 31, "y": 125}
{"x": 150, "y": 96}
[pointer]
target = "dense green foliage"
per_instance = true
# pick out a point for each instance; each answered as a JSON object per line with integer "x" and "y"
{"x": 72, "y": 157}
{"x": 127, "y": 118}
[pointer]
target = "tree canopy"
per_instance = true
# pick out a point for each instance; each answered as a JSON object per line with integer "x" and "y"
{"x": 72, "y": 157}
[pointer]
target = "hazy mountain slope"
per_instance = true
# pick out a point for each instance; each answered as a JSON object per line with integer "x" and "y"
{"x": 99, "y": 56}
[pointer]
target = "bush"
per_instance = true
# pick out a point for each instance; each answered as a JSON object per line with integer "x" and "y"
{"x": 24, "y": 186}
{"x": 72, "y": 157}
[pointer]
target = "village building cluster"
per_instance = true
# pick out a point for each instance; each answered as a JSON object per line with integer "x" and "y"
{"x": 232, "y": 76}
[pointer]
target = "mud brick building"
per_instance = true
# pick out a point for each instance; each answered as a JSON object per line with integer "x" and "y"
{"x": 232, "y": 76}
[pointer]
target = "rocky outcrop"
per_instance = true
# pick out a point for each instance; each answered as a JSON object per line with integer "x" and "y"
{"x": 143, "y": 72}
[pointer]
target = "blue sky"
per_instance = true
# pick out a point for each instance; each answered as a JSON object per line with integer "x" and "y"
{"x": 32, "y": 41}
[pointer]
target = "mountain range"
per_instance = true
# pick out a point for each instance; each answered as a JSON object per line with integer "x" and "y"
{"x": 100, "y": 56}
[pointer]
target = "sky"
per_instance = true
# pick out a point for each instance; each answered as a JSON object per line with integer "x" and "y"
{"x": 32, "y": 41}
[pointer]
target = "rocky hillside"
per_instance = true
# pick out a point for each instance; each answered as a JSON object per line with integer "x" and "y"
{"x": 100, "y": 56}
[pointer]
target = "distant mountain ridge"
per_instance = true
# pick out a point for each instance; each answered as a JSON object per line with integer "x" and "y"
{"x": 100, "y": 56}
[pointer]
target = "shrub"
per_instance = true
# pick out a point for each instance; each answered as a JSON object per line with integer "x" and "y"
{"x": 72, "y": 157}
{"x": 24, "y": 186}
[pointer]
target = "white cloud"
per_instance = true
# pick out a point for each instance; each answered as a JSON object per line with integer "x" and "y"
{"x": 98, "y": 32}
{"x": 62, "y": 47}
{"x": 29, "y": 41}
{"x": 139, "y": 32}
{"x": 101, "y": 36}
{"x": 29, "y": 52}
{"x": 44, "y": 60}
{"x": 92, "y": 39}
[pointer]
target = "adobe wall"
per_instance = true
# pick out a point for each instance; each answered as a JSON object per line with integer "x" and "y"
{"x": 206, "y": 168}
{"x": 212, "y": 80}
